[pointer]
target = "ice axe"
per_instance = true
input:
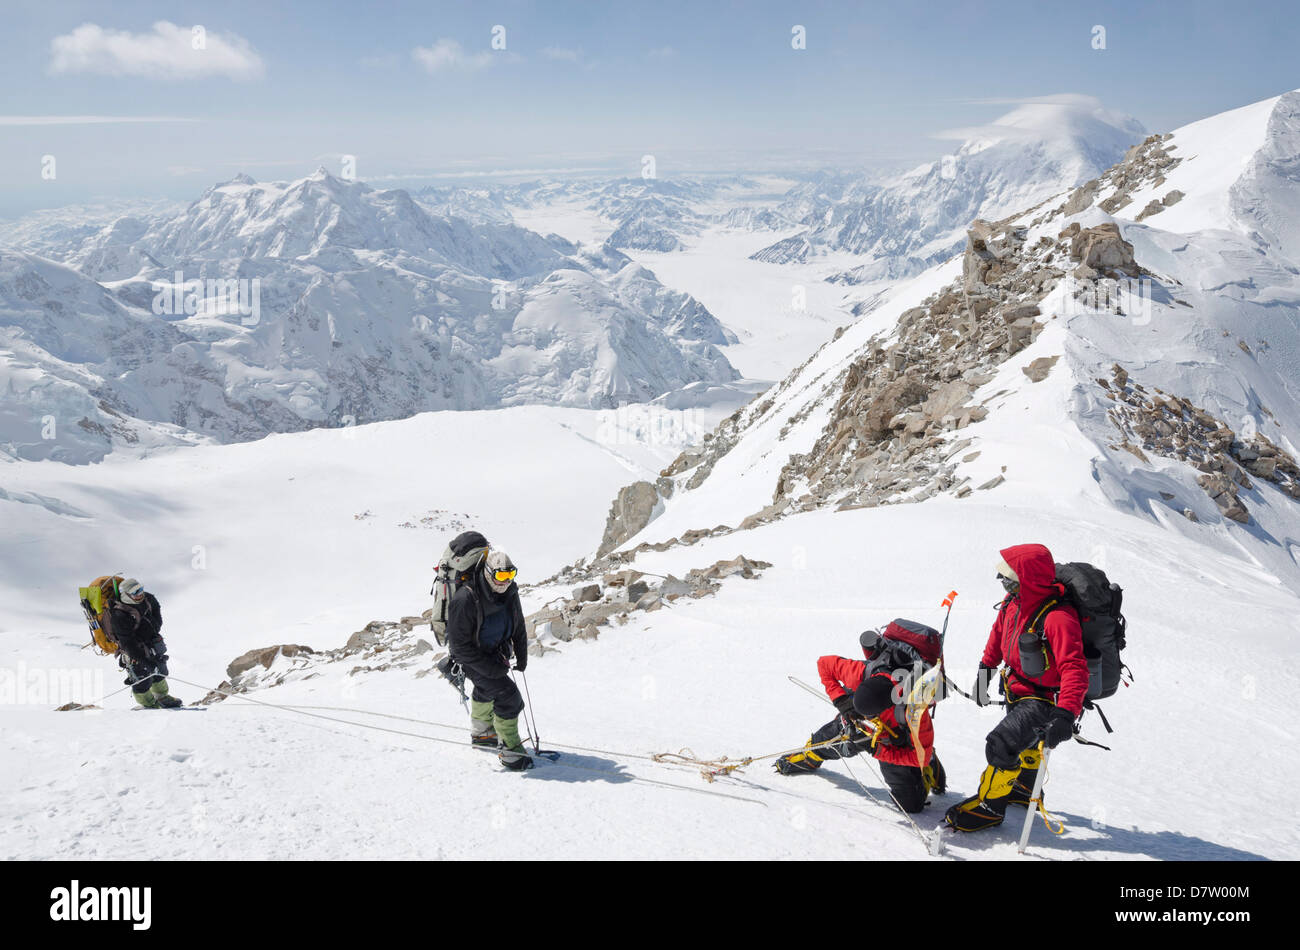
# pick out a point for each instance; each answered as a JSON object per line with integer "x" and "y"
{"x": 1036, "y": 798}
{"x": 451, "y": 671}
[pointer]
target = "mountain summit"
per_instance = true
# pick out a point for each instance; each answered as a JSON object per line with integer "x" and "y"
{"x": 911, "y": 221}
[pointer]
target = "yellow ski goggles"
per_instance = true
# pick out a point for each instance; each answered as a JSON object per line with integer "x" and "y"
{"x": 504, "y": 577}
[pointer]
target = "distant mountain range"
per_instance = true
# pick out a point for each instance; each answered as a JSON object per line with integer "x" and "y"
{"x": 277, "y": 307}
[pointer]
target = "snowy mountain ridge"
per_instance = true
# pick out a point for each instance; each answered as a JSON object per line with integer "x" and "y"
{"x": 910, "y": 222}
{"x": 369, "y": 307}
{"x": 1132, "y": 342}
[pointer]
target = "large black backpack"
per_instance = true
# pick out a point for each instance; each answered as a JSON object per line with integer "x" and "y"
{"x": 458, "y": 560}
{"x": 1098, "y": 603}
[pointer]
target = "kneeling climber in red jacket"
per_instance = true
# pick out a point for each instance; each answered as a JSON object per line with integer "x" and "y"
{"x": 869, "y": 695}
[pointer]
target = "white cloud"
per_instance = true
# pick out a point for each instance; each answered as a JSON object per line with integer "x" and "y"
{"x": 1035, "y": 116}
{"x": 558, "y": 53}
{"x": 85, "y": 119}
{"x": 448, "y": 54}
{"x": 663, "y": 52}
{"x": 168, "y": 52}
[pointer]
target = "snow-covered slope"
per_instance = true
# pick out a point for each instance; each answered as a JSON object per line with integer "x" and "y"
{"x": 934, "y": 391}
{"x": 333, "y": 304}
{"x": 304, "y": 538}
{"x": 883, "y": 506}
{"x": 907, "y": 223}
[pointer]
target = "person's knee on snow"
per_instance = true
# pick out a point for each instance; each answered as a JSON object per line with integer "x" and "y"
{"x": 864, "y": 692}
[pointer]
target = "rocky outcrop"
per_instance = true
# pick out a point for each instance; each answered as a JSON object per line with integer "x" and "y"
{"x": 1101, "y": 251}
{"x": 379, "y": 645}
{"x": 1156, "y": 206}
{"x": 1037, "y": 370}
{"x": 1144, "y": 165}
{"x": 620, "y": 593}
{"x": 631, "y": 511}
{"x": 888, "y": 439}
{"x": 1170, "y": 426}
{"x": 397, "y": 644}
{"x": 263, "y": 657}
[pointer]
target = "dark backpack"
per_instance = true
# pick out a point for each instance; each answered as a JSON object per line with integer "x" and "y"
{"x": 1098, "y": 603}
{"x": 457, "y": 562}
{"x": 907, "y": 645}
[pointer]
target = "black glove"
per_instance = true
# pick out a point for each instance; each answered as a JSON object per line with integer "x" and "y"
{"x": 844, "y": 706}
{"x": 521, "y": 664}
{"x": 1059, "y": 728}
{"x": 980, "y": 692}
{"x": 155, "y": 652}
{"x": 855, "y": 735}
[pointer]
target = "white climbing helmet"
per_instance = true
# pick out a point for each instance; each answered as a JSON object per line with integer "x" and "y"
{"x": 131, "y": 591}
{"x": 499, "y": 570}
{"x": 1010, "y": 580}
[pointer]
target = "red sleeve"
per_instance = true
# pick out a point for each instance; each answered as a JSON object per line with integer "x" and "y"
{"x": 1065, "y": 637}
{"x": 904, "y": 753}
{"x": 839, "y": 675}
{"x": 992, "y": 657}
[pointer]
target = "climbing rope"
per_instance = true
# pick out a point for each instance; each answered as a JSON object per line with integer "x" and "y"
{"x": 306, "y": 711}
{"x": 116, "y": 691}
{"x": 725, "y": 765}
{"x": 683, "y": 758}
{"x": 711, "y": 768}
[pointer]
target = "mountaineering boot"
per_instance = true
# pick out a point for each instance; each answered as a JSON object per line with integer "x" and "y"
{"x": 147, "y": 700}
{"x": 160, "y": 694}
{"x": 1022, "y": 790}
{"x": 513, "y": 755}
{"x": 799, "y": 763}
{"x": 481, "y": 732}
{"x": 988, "y": 807}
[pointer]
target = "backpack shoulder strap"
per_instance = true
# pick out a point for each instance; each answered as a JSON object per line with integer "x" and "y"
{"x": 1040, "y": 618}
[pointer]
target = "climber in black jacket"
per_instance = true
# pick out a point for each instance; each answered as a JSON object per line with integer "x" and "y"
{"x": 485, "y": 630}
{"x": 134, "y": 620}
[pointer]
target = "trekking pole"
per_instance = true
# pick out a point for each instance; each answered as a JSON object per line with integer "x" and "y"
{"x": 947, "y": 602}
{"x": 808, "y": 689}
{"x": 532, "y": 721}
{"x": 1036, "y": 797}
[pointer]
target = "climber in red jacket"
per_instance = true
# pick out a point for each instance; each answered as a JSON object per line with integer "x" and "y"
{"x": 1038, "y": 641}
{"x": 870, "y": 720}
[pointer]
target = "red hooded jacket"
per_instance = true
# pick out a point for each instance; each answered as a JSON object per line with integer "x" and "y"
{"x": 840, "y": 676}
{"x": 1067, "y": 670}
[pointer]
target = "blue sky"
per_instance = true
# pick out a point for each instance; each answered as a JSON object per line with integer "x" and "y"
{"x": 282, "y": 87}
